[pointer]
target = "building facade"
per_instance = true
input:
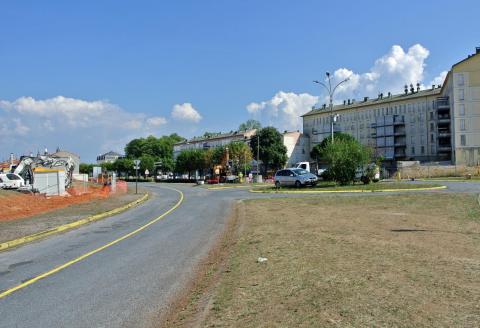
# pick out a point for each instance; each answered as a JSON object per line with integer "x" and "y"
{"x": 222, "y": 139}
{"x": 441, "y": 123}
{"x": 109, "y": 157}
{"x": 297, "y": 147}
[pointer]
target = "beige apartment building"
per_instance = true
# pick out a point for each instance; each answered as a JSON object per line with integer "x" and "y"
{"x": 441, "y": 123}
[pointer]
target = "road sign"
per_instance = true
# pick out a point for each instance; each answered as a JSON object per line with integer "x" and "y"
{"x": 147, "y": 172}
{"x": 135, "y": 167}
{"x": 137, "y": 162}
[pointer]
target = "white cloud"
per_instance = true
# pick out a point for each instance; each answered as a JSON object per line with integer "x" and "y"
{"x": 389, "y": 73}
{"x": 156, "y": 121}
{"x": 85, "y": 127}
{"x": 186, "y": 112}
{"x": 283, "y": 110}
{"x": 439, "y": 79}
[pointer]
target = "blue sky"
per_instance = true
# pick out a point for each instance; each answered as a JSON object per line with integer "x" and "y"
{"x": 122, "y": 67}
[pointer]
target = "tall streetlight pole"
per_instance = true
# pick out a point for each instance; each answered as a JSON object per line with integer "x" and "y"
{"x": 330, "y": 94}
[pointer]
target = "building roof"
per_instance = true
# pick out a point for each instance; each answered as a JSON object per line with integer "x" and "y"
{"x": 384, "y": 100}
{"x": 218, "y": 136}
{"x": 65, "y": 153}
{"x": 112, "y": 153}
{"x": 477, "y": 52}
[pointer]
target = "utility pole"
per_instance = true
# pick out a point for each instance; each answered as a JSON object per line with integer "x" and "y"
{"x": 330, "y": 95}
{"x": 137, "y": 166}
{"x": 258, "y": 155}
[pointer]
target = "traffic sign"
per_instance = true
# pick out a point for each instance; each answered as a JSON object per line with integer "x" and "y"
{"x": 137, "y": 162}
{"x": 135, "y": 167}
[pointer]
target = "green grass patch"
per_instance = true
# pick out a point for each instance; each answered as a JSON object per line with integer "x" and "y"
{"x": 332, "y": 186}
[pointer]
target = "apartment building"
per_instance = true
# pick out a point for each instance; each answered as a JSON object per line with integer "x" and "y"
{"x": 221, "y": 139}
{"x": 441, "y": 123}
{"x": 297, "y": 147}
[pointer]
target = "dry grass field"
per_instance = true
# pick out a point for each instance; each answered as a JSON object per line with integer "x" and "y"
{"x": 372, "y": 261}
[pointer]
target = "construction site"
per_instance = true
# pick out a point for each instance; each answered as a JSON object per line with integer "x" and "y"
{"x": 34, "y": 185}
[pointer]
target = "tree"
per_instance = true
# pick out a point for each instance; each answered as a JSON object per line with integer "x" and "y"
{"x": 147, "y": 162}
{"x": 344, "y": 157}
{"x": 250, "y": 125}
{"x": 158, "y": 149}
{"x": 240, "y": 154}
{"x": 124, "y": 166}
{"x": 316, "y": 152}
{"x": 190, "y": 160}
{"x": 273, "y": 153}
{"x": 85, "y": 168}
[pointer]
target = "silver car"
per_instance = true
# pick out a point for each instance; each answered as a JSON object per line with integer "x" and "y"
{"x": 295, "y": 177}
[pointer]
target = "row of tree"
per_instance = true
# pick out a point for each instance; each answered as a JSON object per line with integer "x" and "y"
{"x": 237, "y": 156}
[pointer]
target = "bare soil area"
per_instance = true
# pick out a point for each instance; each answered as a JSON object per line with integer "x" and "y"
{"x": 383, "y": 261}
{"x": 22, "y": 215}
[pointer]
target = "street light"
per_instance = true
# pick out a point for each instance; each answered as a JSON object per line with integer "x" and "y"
{"x": 330, "y": 94}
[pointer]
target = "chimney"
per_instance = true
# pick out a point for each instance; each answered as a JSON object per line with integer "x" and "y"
{"x": 12, "y": 158}
{"x": 365, "y": 99}
{"x": 389, "y": 94}
{"x": 412, "y": 90}
{"x": 324, "y": 106}
{"x": 418, "y": 86}
{"x": 344, "y": 102}
{"x": 349, "y": 101}
{"x": 477, "y": 50}
{"x": 406, "y": 89}
{"x": 433, "y": 86}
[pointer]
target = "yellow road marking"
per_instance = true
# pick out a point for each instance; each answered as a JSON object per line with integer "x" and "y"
{"x": 343, "y": 191}
{"x": 69, "y": 226}
{"x": 84, "y": 256}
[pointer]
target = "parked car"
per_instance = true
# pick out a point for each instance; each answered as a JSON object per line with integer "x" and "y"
{"x": 294, "y": 177}
{"x": 11, "y": 181}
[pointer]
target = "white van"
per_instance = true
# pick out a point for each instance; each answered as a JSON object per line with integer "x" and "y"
{"x": 307, "y": 166}
{"x": 11, "y": 181}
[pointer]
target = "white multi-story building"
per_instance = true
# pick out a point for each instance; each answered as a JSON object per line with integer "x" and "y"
{"x": 297, "y": 147}
{"x": 218, "y": 140}
{"x": 441, "y": 123}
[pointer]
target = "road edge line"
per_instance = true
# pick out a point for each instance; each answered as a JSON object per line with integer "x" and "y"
{"x": 69, "y": 226}
{"x": 344, "y": 191}
{"x": 92, "y": 252}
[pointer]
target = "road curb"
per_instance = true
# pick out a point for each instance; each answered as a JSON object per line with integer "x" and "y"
{"x": 343, "y": 191}
{"x": 69, "y": 226}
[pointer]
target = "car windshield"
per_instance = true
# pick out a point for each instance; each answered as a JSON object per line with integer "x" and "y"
{"x": 300, "y": 171}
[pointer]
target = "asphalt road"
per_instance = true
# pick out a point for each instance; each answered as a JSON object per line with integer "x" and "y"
{"x": 128, "y": 283}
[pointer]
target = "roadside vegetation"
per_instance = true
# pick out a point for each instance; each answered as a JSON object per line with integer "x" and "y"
{"x": 385, "y": 261}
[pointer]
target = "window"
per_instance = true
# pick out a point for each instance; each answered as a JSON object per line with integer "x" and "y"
{"x": 432, "y": 138}
{"x": 460, "y": 80}
{"x": 422, "y": 150}
{"x": 461, "y": 110}
{"x": 463, "y": 140}
{"x": 462, "y": 125}
{"x": 412, "y": 139}
{"x": 422, "y": 140}
{"x": 432, "y": 126}
{"x": 431, "y": 116}
{"x": 461, "y": 94}
{"x": 413, "y": 150}
{"x": 432, "y": 148}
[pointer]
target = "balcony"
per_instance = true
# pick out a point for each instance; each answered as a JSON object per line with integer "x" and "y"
{"x": 444, "y": 148}
{"x": 444, "y": 134}
{"x": 443, "y": 118}
{"x": 400, "y": 154}
{"x": 443, "y": 104}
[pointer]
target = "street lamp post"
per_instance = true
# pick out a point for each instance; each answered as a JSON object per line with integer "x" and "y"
{"x": 331, "y": 92}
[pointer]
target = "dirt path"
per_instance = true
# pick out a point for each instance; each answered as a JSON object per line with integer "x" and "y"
{"x": 22, "y": 215}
